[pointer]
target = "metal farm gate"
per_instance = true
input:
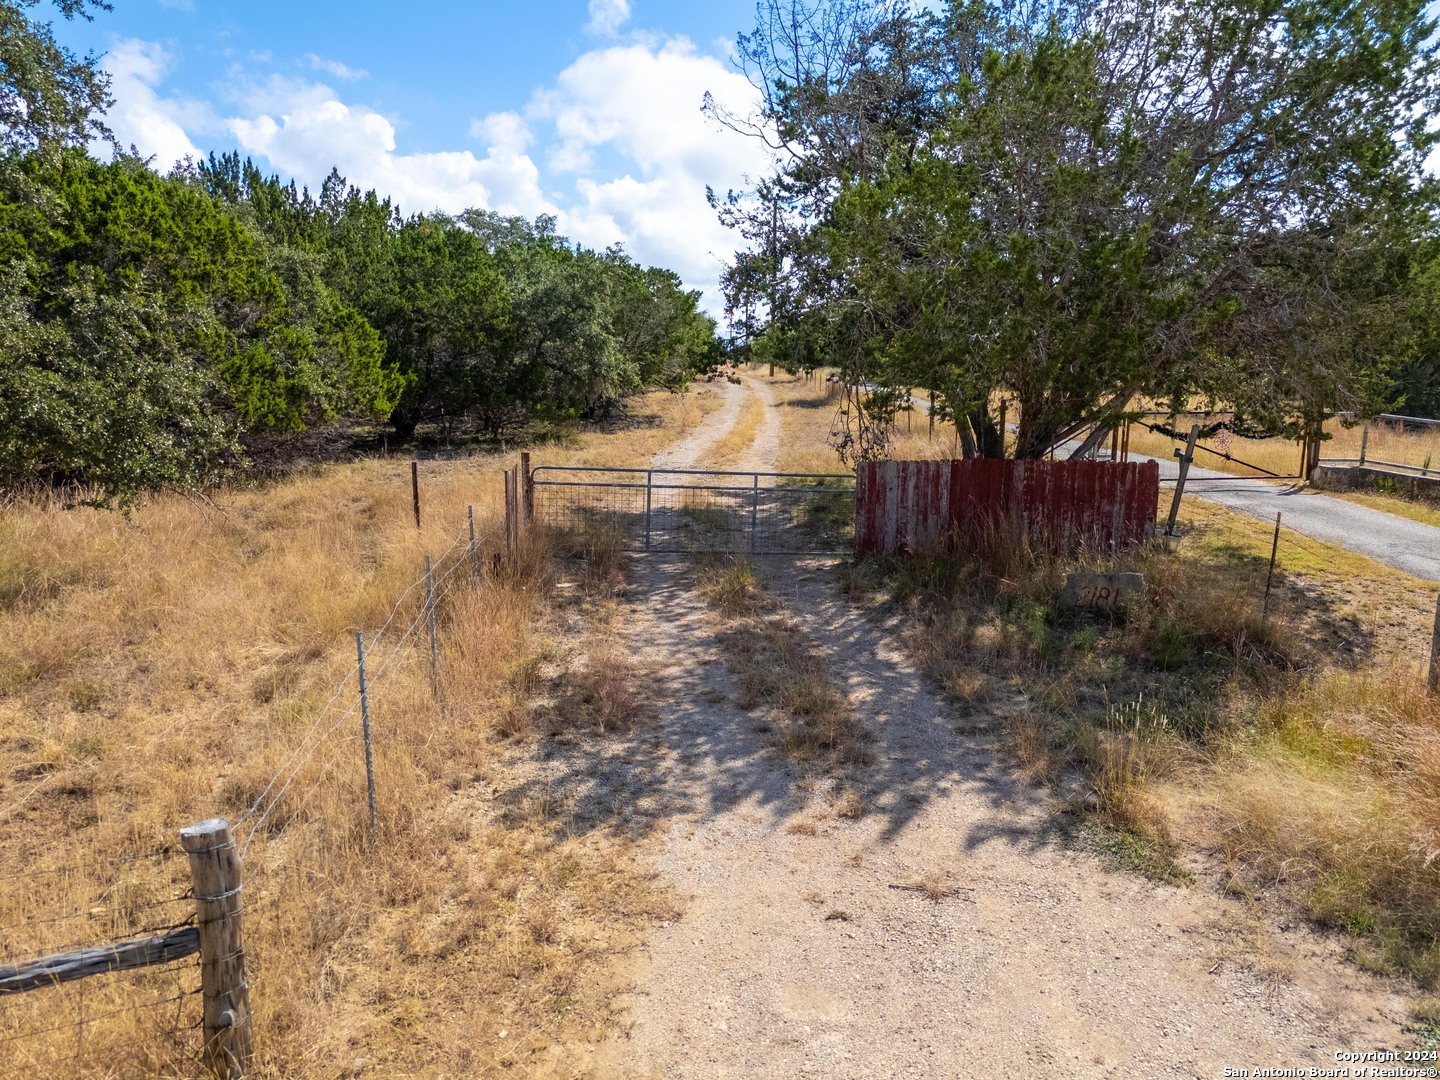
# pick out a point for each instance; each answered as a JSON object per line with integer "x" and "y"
{"x": 700, "y": 510}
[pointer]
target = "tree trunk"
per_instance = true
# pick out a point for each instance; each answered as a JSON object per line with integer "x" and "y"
{"x": 967, "y": 438}
{"x": 404, "y": 424}
{"x": 987, "y": 434}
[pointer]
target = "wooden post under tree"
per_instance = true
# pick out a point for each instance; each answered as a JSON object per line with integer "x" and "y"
{"x": 215, "y": 869}
{"x": 1185, "y": 459}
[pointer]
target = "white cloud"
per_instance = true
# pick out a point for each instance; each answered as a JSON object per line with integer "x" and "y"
{"x": 608, "y": 16}
{"x": 178, "y": 5}
{"x": 304, "y": 129}
{"x": 155, "y": 125}
{"x": 642, "y": 102}
{"x": 627, "y": 151}
{"x": 334, "y": 67}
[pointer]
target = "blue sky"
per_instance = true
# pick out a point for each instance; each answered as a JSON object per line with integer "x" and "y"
{"x": 587, "y": 111}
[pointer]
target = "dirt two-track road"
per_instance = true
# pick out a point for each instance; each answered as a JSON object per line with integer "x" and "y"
{"x": 804, "y": 948}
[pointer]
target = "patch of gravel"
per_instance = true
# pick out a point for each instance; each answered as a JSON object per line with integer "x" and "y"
{"x": 764, "y": 452}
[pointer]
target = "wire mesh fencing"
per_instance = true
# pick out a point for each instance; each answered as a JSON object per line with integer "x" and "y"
{"x": 1409, "y": 445}
{"x": 144, "y": 1020}
{"x": 698, "y": 510}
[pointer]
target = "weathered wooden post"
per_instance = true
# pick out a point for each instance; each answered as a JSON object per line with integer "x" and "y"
{"x": 1185, "y": 459}
{"x": 415, "y": 489}
{"x": 215, "y": 872}
{"x": 1364, "y": 441}
{"x": 1004, "y": 405}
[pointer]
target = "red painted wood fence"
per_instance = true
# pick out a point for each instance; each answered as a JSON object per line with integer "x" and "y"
{"x": 908, "y": 505}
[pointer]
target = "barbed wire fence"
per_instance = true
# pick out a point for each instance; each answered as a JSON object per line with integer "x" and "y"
{"x": 142, "y": 897}
{"x": 176, "y": 935}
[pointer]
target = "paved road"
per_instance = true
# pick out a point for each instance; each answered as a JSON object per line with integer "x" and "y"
{"x": 1395, "y": 541}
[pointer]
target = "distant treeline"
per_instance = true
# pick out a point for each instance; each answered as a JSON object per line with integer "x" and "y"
{"x": 159, "y": 331}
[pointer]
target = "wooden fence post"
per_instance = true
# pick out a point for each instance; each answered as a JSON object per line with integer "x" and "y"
{"x": 215, "y": 874}
{"x": 415, "y": 489}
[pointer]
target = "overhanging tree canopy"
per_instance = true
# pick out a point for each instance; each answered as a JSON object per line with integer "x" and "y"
{"x": 1075, "y": 203}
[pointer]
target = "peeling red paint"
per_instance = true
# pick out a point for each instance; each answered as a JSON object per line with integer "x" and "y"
{"x": 908, "y": 505}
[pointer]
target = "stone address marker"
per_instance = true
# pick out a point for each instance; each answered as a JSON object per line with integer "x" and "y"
{"x": 1099, "y": 592}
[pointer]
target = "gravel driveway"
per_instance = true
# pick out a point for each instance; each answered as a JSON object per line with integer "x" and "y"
{"x": 805, "y": 948}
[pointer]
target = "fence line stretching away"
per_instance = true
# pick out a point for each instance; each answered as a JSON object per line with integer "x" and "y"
{"x": 213, "y": 931}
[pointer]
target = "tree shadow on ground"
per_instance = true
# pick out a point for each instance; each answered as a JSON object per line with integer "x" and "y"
{"x": 705, "y": 756}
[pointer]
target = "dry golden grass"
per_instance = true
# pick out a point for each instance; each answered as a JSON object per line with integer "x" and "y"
{"x": 731, "y": 447}
{"x": 1423, "y": 512}
{"x": 1387, "y": 441}
{"x": 657, "y": 420}
{"x": 1301, "y": 747}
{"x": 162, "y": 668}
{"x": 1280, "y": 457}
{"x": 807, "y": 414}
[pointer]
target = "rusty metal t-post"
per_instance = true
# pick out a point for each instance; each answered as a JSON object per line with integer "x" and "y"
{"x": 1270, "y": 577}
{"x": 1185, "y": 459}
{"x": 434, "y": 637}
{"x": 527, "y": 487}
{"x": 365, "y": 733}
